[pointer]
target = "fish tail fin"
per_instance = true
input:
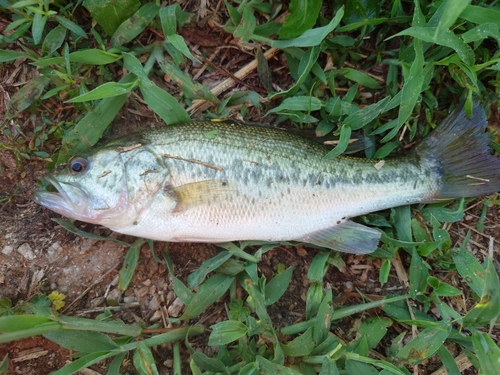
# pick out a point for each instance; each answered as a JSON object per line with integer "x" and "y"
{"x": 459, "y": 150}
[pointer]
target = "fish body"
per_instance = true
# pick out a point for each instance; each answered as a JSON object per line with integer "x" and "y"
{"x": 222, "y": 181}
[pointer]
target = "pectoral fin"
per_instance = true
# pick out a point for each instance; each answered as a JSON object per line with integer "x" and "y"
{"x": 348, "y": 237}
{"x": 200, "y": 193}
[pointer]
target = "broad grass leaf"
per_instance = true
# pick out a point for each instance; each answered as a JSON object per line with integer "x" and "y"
{"x": 28, "y": 95}
{"x": 315, "y": 294}
{"x": 451, "y": 12}
{"x": 175, "y": 334}
{"x": 82, "y": 341}
{"x": 182, "y": 291}
{"x": 204, "y": 362}
{"x": 329, "y": 344}
{"x": 21, "y": 322}
{"x": 171, "y": 17}
{"x": 278, "y": 286}
{"x": 263, "y": 71}
{"x": 129, "y": 265}
{"x": 488, "y": 308}
{"x": 372, "y": 22}
{"x": 116, "y": 363}
{"x": 164, "y": 104}
{"x": 71, "y": 26}
{"x": 106, "y": 90}
{"x": 418, "y": 275}
{"x": 324, "y": 127}
{"x": 83, "y": 362}
{"x": 305, "y": 65}
{"x": 301, "y": 345}
{"x": 442, "y": 289}
{"x": 303, "y": 16}
{"x": 209, "y": 292}
{"x": 4, "y": 365}
{"x": 446, "y": 38}
{"x": 374, "y": 330}
{"x": 318, "y": 267}
{"x": 264, "y": 366}
{"x": 356, "y": 367}
{"x": 8, "y": 55}
{"x": 441, "y": 213}
{"x": 233, "y": 13}
{"x": 53, "y": 40}
{"x": 329, "y": 366}
{"x": 367, "y": 114}
{"x": 448, "y": 361}
{"x": 361, "y": 10}
{"x": 481, "y": 32}
{"x": 178, "y": 42}
{"x": 134, "y": 25}
{"x": 246, "y": 27}
{"x": 323, "y": 319}
{"x": 39, "y": 21}
{"x": 86, "y": 56}
{"x": 388, "y": 368}
{"x": 384, "y": 272}
{"x": 109, "y": 15}
{"x": 89, "y": 129}
{"x": 298, "y": 103}
{"x": 424, "y": 345}
{"x": 197, "y": 277}
{"x": 133, "y": 64}
{"x": 481, "y": 15}
{"x": 469, "y": 268}
{"x": 412, "y": 85}
{"x": 385, "y": 150}
{"x": 144, "y": 361}
{"x": 190, "y": 88}
{"x": 487, "y": 351}
{"x": 343, "y": 143}
{"x": 225, "y": 332}
{"x": 358, "y": 76}
{"x": 70, "y": 227}
{"x": 312, "y": 37}
{"x": 399, "y": 311}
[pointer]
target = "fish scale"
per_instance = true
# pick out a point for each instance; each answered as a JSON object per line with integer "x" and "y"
{"x": 222, "y": 181}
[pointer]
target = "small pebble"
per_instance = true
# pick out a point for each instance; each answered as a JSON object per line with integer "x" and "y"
{"x": 348, "y": 286}
{"x": 141, "y": 292}
{"x": 175, "y": 308}
{"x": 154, "y": 303}
{"x": 115, "y": 295}
{"x": 129, "y": 299}
{"x": 98, "y": 301}
{"x": 25, "y": 251}
{"x": 156, "y": 316}
{"x": 7, "y": 249}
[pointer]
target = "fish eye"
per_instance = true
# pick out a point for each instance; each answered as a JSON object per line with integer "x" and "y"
{"x": 78, "y": 165}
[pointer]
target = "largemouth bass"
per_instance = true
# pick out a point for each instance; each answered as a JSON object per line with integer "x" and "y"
{"x": 222, "y": 181}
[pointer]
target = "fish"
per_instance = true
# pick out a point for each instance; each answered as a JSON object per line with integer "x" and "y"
{"x": 218, "y": 182}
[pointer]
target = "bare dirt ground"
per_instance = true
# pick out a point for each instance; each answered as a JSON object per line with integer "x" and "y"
{"x": 38, "y": 256}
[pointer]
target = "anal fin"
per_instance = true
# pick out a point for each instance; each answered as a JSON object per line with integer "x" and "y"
{"x": 348, "y": 237}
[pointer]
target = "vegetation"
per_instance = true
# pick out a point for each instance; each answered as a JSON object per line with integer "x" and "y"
{"x": 431, "y": 55}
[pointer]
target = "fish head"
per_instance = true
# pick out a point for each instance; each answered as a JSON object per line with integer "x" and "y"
{"x": 110, "y": 186}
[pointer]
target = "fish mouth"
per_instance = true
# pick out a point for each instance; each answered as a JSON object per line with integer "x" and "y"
{"x": 65, "y": 198}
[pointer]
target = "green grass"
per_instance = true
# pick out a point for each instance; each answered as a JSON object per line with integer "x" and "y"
{"x": 431, "y": 55}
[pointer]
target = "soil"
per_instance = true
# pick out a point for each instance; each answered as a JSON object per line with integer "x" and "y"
{"x": 38, "y": 256}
